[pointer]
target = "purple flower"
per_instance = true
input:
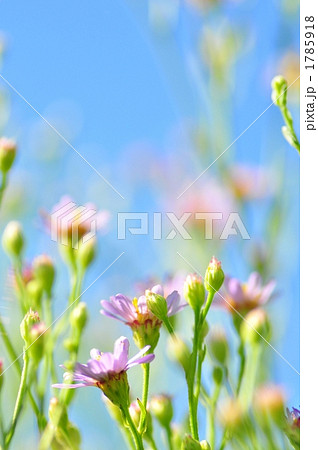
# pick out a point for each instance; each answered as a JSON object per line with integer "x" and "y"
{"x": 135, "y": 312}
{"x": 108, "y": 371}
{"x": 293, "y": 417}
{"x": 246, "y": 296}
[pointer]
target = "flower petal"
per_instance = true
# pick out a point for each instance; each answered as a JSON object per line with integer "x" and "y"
{"x": 142, "y": 360}
{"x": 158, "y": 289}
{"x": 121, "y": 348}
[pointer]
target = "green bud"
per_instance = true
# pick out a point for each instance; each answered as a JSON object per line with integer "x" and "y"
{"x": 12, "y": 239}
{"x": 157, "y": 305}
{"x": 70, "y": 345}
{"x": 7, "y": 154}
{"x": 79, "y": 316}
{"x": 37, "y": 337}
{"x": 218, "y": 345}
{"x": 44, "y": 272}
{"x": 255, "y": 327}
{"x": 162, "y": 409}
{"x": 34, "y": 292}
{"x": 218, "y": 375}
{"x": 179, "y": 351}
{"x": 86, "y": 253}
{"x": 279, "y": 90}
{"x": 189, "y": 443}
{"x": 30, "y": 319}
{"x": 194, "y": 291}
{"x": 214, "y": 276}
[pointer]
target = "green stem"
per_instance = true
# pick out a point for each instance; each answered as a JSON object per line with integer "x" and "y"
{"x": 249, "y": 379}
{"x": 190, "y": 380}
{"x": 212, "y": 412}
{"x": 145, "y": 390}
{"x": 19, "y": 400}
{"x": 14, "y": 357}
{"x": 169, "y": 437}
{"x": 132, "y": 427}
{"x": 241, "y": 353}
{"x": 3, "y": 185}
{"x": 207, "y": 306}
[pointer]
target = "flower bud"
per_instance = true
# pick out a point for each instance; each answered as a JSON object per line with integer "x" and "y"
{"x": 86, "y": 252}
{"x": 255, "y": 327}
{"x": 218, "y": 345}
{"x": 279, "y": 90}
{"x": 44, "y": 272}
{"x": 36, "y": 338}
{"x": 270, "y": 400}
{"x": 218, "y": 375}
{"x": 7, "y": 154}
{"x": 30, "y": 319}
{"x": 179, "y": 351}
{"x": 79, "y": 316}
{"x": 189, "y": 443}
{"x": 34, "y": 292}
{"x": 194, "y": 291}
{"x": 214, "y": 276}
{"x": 157, "y": 305}
{"x": 12, "y": 239}
{"x": 162, "y": 409}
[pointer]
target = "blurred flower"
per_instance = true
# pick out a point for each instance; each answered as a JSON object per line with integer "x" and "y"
{"x": 270, "y": 400}
{"x": 293, "y": 417}
{"x": 246, "y": 296}
{"x": 13, "y": 239}
{"x": 231, "y": 414}
{"x": 75, "y": 220}
{"x": 107, "y": 371}
{"x": 218, "y": 345}
{"x": 290, "y": 67}
{"x": 249, "y": 183}
{"x": 293, "y": 427}
{"x": 136, "y": 314}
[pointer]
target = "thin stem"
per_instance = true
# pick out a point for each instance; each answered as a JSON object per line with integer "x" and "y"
{"x": 19, "y": 400}
{"x": 145, "y": 390}
{"x": 3, "y": 185}
{"x": 212, "y": 412}
{"x": 249, "y": 379}
{"x": 132, "y": 427}
{"x": 241, "y": 353}
{"x": 169, "y": 437}
{"x": 190, "y": 380}
{"x": 14, "y": 357}
{"x": 207, "y": 306}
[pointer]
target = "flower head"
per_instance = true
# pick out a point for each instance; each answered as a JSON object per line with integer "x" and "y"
{"x": 249, "y": 295}
{"x": 135, "y": 313}
{"x": 107, "y": 371}
{"x": 293, "y": 417}
{"x": 8, "y": 150}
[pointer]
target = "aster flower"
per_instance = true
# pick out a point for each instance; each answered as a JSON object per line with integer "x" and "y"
{"x": 135, "y": 313}
{"x": 293, "y": 427}
{"x": 246, "y": 296}
{"x": 107, "y": 371}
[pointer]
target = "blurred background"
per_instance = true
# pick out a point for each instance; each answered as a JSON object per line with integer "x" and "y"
{"x": 151, "y": 93}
